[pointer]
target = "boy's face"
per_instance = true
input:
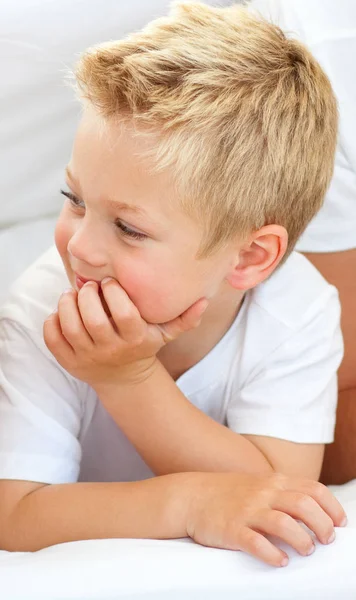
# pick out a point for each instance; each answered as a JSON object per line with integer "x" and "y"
{"x": 128, "y": 225}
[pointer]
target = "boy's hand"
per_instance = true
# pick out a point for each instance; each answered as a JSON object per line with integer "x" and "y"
{"x": 236, "y": 511}
{"x": 102, "y": 349}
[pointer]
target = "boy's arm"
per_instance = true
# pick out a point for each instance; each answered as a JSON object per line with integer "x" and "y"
{"x": 34, "y": 515}
{"x": 223, "y": 510}
{"x": 293, "y": 395}
{"x": 172, "y": 435}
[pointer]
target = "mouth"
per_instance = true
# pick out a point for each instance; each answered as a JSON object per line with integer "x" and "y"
{"x": 80, "y": 281}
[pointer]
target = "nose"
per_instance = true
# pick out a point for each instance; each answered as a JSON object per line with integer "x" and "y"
{"x": 87, "y": 244}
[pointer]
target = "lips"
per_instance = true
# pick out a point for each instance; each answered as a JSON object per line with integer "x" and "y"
{"x": 80, "y": 281}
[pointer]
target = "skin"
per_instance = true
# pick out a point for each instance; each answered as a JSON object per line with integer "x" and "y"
{"x": 223, "y": 510}
{"x": 126, "y": 332}
{"x": 339, "y": 268}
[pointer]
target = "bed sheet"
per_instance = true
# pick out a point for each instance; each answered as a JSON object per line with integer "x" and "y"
{"x": 181, "y": 570}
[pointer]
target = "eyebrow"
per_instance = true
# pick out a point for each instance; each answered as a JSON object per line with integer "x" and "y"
{"x": 116, "y": 204}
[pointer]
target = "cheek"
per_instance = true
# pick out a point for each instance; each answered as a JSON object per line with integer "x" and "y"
{"x": 160, "y": 294}
{"x": 62, "y": 235}
{"x": 147, "y": 292}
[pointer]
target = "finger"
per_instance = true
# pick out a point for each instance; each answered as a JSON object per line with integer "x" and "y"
{"x": 124, "y": 313}
{"x": 257, "y": 545}
{"x": 306, "y": 509}
{"x": 95, "y": 319}
{"x": 323, "y": 496}
{"x": 274, "y": 522}
{"x": 55, "y": 341}
{"x": 71, "y": 322}
{"x": 188, "y": 320}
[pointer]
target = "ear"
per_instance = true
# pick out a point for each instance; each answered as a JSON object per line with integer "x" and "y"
{"x": 258, "y": 257}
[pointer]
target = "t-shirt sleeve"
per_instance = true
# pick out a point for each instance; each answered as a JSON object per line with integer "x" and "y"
{"x": 40, "y": 411}
{"x": 292, "y": 394}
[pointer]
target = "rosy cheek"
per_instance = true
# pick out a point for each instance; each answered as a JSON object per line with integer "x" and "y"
{"x": 135, "y": 285}
{"x": 143, "y": 288}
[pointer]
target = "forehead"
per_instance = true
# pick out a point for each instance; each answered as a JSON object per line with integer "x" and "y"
{"x": 112, "y": 160}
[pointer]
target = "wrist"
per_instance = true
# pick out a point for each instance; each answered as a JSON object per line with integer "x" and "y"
{"x": 181, "y": 502}
{"x": 184, "y": 502}
{"x": 128, "y": 377}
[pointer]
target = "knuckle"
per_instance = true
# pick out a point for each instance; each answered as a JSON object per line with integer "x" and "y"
{"x": 135, "y": 340}
{"x": 253, "y": 540}
{"x": 140, "y": 338}
{"x": 317, "y": 489}
{"x": 282, "y": 522}
{"x": 108, "y": 353}
{"x": 127, "y": 314}
{"x": 303, "y": 502}
{"x": 278, "y": 480}
{"x": 263, "y": 497}
{"x": 94, "y": 323}
{"x": 70, "y": 331}
{"x": 256, "y": 543}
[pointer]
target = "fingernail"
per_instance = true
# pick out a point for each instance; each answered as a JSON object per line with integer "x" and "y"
{"x": 284, "y": 562}
{"x": 106, "y": 279}
{"x": 343, "y": 522}
{"x": 331, "y": 538}
{"x": 67, "y": 291}
{"x": 311, "y": 550}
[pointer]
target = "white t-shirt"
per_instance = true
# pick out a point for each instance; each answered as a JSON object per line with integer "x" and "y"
{"x": 273, "y": 373}
{"x": 328, "y": 28}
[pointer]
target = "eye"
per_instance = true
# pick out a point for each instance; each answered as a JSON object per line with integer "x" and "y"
{"x": 132, "y": 233}
{"x": 73, "y": 199}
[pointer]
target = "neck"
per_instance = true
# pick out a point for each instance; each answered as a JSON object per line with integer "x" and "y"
{"x": 190, "y": 347}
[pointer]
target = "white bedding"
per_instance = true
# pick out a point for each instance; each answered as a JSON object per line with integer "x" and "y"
{"x": 180, "y": 570}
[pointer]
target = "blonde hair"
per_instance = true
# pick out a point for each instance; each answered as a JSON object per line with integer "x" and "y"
{"x": 246, "y": 117}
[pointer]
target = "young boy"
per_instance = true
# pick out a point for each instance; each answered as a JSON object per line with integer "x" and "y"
{"x": 184, "y": 347}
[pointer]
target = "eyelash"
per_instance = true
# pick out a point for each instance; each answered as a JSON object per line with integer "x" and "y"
{"x": 75, "y": 202}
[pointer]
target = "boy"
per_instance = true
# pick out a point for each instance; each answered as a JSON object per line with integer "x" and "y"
{"x": 205, "y": 147}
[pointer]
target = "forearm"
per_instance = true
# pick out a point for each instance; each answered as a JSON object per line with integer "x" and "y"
{"x": 154, "y": 508}
{"x": 172, "y": 435}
